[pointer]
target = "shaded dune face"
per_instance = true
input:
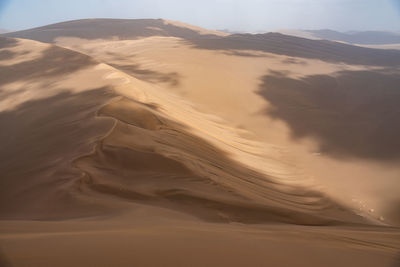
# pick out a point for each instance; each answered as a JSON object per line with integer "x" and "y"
{"x": 350, "y": 113}
{"x": 43, "y": 127}
{"x": 40, "y": 140}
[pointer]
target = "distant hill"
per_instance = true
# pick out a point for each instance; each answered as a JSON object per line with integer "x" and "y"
{"x": 355, "y": 37}
{"x": 365, "y": 37}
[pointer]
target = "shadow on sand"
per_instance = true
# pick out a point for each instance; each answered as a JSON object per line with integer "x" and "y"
{"x": 350, "y": 113}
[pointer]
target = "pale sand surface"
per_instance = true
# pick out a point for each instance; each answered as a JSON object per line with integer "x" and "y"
{"x": 163, "y": 144}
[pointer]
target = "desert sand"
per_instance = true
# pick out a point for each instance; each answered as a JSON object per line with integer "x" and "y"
{"x": 157, "y": 143}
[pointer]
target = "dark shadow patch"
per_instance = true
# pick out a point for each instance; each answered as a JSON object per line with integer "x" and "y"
{"x": 392, "y": 213}
{"x": 55, "y": 61}
{"x": 351, "y": 114}
{"x": 244, "y": 54}
{"x": 171, "y": 78}
{"x": 396, "y": 261}
{"x": 4, "y": 262}
{"x": 291, "y": 60}
{"x": 7, "y": 42}
{"x": 135, "y": 70}
{"x": 6, "y": 54}
{"x": 40, "y": 138}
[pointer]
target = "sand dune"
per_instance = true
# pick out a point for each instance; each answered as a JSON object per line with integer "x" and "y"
{"x": 125, "y": 138}
{"x": 118, "y": 29}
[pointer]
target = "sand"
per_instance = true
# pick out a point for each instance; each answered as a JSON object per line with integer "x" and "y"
{"x": 156, "y": 143}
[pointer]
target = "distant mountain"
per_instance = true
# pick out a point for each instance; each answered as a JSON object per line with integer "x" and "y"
{"x": 3, "y": 30}
{"x": 353, "y": 37}
{"x": 365, "y": 37}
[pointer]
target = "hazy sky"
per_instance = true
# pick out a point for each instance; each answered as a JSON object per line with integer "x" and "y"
{"x": 242, "y": 15}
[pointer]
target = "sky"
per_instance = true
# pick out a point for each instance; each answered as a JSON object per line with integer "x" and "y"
{"x": 234, "y": 15}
